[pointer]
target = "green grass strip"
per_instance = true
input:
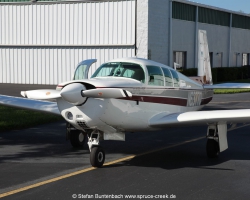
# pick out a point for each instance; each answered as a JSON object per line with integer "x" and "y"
{"x": 15, "y": 118}
{"x": 230, "y": 91}
{"x": 233, "y": 91}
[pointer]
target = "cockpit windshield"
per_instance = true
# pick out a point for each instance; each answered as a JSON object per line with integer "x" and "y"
{"x": 128, "y": 70}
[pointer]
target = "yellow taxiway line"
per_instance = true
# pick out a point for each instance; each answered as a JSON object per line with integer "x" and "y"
{"x": 91, "y": 168}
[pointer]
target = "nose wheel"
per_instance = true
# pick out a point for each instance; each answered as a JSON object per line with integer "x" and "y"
{"x": 97, "y": 153}
{"x": 97, "y": 156}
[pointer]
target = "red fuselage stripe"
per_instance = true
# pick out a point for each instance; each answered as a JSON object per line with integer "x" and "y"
{"x": 206, "y": 101}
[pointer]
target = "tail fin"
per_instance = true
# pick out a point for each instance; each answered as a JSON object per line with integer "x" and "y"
{"x": 204, "y": 66}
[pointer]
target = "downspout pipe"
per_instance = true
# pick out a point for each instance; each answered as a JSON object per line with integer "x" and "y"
{"x": 196, "y": 38}
{"x": 229, "y": 42}
{"x": 170, "y": 34}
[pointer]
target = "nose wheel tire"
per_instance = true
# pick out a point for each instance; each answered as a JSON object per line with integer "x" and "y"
{"x": 213, "y": 149}
{"x": 97, "y": 156}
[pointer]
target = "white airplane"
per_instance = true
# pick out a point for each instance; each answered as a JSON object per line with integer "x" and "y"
{"x": 134, "y": 94}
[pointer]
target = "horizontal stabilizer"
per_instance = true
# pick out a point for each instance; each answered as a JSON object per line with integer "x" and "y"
{"x": 228, "y": 86}
{"x": 44, "y": 106}
{"x": 106, "y": 93}
{"x": 41, "y": 94}
{"x": 200, "y": 118}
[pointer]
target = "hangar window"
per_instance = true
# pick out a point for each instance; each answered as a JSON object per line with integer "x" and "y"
{"x": 240, "y": 21}
{"x": 245, "y": 59}
{"x": 155, "y": 76}
{"x": 216, "y": 17}
{"x": 128, "y": 70}
{"x": 219, "y": 59}
{"x": 183, "y": 11}
{"x": 180, "y": 58}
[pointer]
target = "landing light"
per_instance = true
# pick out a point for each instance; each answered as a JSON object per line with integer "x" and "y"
{"x": 69, "y": 115}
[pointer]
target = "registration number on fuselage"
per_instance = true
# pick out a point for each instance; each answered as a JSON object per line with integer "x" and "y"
{"x": 194, "y": 98}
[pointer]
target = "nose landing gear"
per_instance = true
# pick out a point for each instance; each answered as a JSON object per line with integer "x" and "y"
{"x": 77, "y": 139}
{"x": 97, "y": 153}
{"x": 97, "y": 156}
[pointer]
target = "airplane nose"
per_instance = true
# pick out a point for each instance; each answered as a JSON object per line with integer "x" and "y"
{"x": 72, "y": 93}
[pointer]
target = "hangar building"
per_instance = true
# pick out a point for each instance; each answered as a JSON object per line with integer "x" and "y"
{"x": 41, "y": 42}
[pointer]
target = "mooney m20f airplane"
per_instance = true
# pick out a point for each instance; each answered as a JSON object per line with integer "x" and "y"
{"x": 133, "y": 94}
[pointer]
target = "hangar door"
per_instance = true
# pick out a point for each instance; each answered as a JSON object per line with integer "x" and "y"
{"x": 42, "y": 43}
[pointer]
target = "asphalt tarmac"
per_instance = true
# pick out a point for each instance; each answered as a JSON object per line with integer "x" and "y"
{"x": 38, "y": 163}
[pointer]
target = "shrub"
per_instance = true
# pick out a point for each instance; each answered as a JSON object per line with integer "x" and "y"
{"x": 223, "y": 74}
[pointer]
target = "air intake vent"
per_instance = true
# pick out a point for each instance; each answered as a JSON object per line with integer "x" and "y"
{"x": 82, "y": 124}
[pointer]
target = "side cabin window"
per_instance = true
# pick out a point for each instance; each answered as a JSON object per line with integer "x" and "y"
{"x": 155, "y": 76}
{"x": 175, "y": 78}
{"x": 168, "y": 77}
{"x": 128, "y": 70}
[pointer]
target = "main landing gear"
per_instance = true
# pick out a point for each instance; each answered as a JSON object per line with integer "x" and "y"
{"x": 97, "y": 153}
{"x": 212, "y": 148}
{"x": 216, "y": 140}
{"x": 77, "y": 137}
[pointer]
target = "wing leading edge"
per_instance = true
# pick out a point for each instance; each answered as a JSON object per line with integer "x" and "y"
{"x": 200, "y": 118}
{"x": 37, "y": 105}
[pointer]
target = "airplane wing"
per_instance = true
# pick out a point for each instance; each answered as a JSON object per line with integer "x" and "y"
{"x": 200, "y": 118}
{"x": 228, "y": 86}
{"x": 37, "y": 105}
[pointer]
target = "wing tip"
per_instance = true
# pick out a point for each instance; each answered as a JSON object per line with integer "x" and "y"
{"x": 23, "y": 93}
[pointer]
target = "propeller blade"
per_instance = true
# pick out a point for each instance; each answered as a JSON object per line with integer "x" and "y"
{"x": 72, "y": 93}
{"x": 106, "y": 93}
{"x": 41, "y": 94}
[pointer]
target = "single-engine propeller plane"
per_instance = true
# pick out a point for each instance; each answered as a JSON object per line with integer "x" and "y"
{"x": 134, "y": 94}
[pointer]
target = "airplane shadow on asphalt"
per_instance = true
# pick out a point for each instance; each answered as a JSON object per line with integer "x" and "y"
{"x": 48, "y": 142}
{"x": 193, "y": 154}
{"x": 37, "y": 143}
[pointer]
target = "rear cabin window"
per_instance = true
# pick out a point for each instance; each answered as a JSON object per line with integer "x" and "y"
{"x": 128, "y": 70}
{"x": 155, "y": 76}
{"x": 175, "y": 78}
{"x": 168, "y": 77}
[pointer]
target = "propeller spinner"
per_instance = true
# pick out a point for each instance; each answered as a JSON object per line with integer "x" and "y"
{"x": 72, "y": 93}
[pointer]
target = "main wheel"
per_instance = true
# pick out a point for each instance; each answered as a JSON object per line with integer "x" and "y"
{"x": 97, "y": 156}
{"x": 213, "y": 149}
{"x": 77, "y": 138}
